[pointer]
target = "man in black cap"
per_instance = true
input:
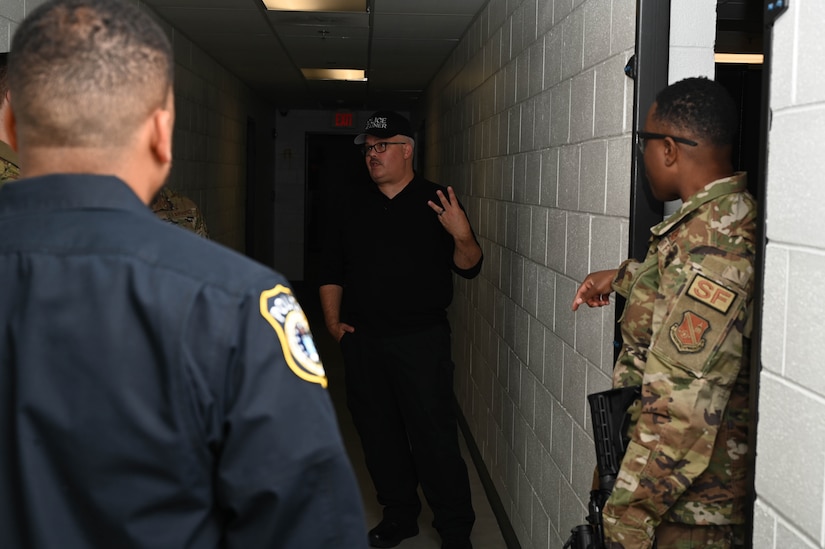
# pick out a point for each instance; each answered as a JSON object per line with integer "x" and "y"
{"x": 386, "y": 281}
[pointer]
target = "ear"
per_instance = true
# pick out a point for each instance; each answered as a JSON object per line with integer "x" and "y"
{"x": 9, "y": 121}
{"x": 408, "y": 150}
{"x": 162, "y": 130}
{"x": 670, "y": 151}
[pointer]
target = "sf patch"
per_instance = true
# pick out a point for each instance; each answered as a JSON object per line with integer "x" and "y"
{"x": 280, "y": 308}
{"x": 711, "y": 293}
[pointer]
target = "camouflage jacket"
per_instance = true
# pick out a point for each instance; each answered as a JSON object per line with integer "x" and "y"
{"x": 9, "y": 165}
{"x": 686, "y": 332}
{"x": 179, "y": 210}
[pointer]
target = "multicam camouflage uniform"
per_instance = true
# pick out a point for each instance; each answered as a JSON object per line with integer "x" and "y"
{"x": 179, "y": 210}
{"x": 9, "y": 165}
{"x": 686, "y": 331}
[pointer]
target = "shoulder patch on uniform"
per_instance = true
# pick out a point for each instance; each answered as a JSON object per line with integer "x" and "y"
{"x": 283, "y": 312}
{"x": 688, "y": 335}
{"x": 711, "y": 293}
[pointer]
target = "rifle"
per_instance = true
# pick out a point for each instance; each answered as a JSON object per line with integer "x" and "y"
{"x": 608, "y": 410}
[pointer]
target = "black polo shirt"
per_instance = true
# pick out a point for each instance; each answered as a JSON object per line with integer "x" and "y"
{"x": 392, "y": 257}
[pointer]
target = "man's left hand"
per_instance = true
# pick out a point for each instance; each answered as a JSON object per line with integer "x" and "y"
{"x": 451, "y": 215}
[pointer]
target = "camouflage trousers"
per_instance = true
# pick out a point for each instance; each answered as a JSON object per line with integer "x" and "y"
{"x": 671, "y": 535}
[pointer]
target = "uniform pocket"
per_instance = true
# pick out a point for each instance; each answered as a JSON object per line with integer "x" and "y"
{"x": 702, "y": 325}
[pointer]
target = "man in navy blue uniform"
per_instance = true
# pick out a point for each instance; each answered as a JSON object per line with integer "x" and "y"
{"x": 386, "y": 281}
{"x": 157, "y": 390}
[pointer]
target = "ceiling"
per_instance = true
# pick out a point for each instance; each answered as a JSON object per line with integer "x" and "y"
{"x": 400, "y": 43}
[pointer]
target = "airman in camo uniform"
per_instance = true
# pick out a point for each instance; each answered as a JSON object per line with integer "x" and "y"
{"x": 9, "y": 164}
{"x": 686, "y": 333}
{"x": 179, "y": 210}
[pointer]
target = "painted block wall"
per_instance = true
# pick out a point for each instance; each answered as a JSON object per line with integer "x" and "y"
{"x": 530, "y": 121}
{"x": 209, "y": 145}
{"x": 790, "y": 459}
{"x": 532, "y": 118}
{"x": 692, "y": 37}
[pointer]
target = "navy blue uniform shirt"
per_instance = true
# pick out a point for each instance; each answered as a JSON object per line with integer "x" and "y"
{"x": 156, "y": 389}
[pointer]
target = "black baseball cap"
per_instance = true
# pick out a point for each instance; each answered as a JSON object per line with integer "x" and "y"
{"x": 385, "y": 124}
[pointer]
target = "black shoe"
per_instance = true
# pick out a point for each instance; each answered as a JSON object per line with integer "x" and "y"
{"x": 457, "y": 544}
{"x": 390, "y": 533}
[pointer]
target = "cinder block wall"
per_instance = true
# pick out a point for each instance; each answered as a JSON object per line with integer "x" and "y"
{"x": 530, "y": 120}
{"x": 212, "y": 107}
{"x": 790, "y": 459}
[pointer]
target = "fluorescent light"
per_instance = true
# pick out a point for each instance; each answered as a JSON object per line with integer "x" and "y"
{"x": 349, "y": 75}
{"x": 740, "y": 58}
{"x": 316, "y": 5}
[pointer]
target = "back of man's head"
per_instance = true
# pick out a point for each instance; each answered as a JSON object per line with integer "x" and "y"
{"x": 701, "y": 107}
{"x": 87, "y": 73}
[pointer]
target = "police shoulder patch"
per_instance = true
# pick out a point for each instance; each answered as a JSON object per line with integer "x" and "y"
{"x": 283, "y": 312}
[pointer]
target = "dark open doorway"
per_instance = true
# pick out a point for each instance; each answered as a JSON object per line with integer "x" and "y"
{"x": 334, "y": 163}
{"x": 258, "y": 234}
{"x": 739, "y": 30}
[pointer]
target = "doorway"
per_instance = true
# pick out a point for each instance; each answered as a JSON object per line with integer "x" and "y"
{"x": 258, "y": 202}
{"x": 334, "y": 164}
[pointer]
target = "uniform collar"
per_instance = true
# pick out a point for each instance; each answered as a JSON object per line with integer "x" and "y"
{"x": 69, "y": 191}
{"x": 727, "y": 185}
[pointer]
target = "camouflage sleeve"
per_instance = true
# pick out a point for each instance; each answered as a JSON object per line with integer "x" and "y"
{"x": 693, "y": 362}
{"x": 8, "y": 171}
{"x": 624, "y": 278}
{"x": 180, "y": 210}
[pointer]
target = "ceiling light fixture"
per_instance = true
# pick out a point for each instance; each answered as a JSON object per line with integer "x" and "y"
{"x": 739, "y": 58}
{"x": 358, "y": 6}
{"x": 348, "y": 75}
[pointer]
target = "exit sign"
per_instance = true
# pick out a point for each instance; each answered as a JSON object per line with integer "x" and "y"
{"x": 344, "y": 120}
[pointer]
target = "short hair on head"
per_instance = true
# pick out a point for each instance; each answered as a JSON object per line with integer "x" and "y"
{"x": 87, "y": 73}
{"x": 701, "y": 107}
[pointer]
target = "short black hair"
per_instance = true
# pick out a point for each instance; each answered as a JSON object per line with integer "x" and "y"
{"x": 701, "y": 107}
{"x": 86, "y": 72}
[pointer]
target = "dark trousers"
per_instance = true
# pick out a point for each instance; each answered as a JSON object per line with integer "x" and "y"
{"x": 400, "y": 394}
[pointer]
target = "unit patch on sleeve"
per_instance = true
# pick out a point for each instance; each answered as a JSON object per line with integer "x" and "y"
{"x": 280, "y": 308}
{"x": 688, "y": 335}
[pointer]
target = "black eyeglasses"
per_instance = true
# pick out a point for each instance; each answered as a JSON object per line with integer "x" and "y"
{"x": 648, "y": 135}
{"x": 379, "y": 147}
